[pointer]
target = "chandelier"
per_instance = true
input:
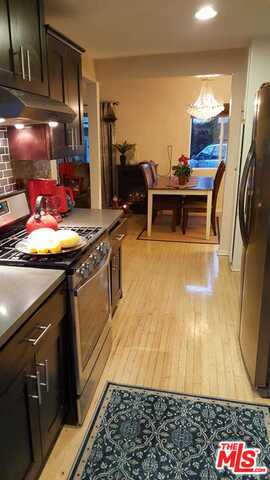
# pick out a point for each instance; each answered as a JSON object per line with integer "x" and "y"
{"x": 206, "y": 106}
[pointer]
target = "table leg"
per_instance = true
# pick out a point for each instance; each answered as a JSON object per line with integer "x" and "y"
{"x": 208, "y": 214}
{"x": 149, "y": 213}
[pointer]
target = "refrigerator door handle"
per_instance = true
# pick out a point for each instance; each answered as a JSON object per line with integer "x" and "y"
{"x": 242, "y": 195}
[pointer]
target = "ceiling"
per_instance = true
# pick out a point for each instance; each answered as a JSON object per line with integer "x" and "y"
{"x": 115, "y": 28}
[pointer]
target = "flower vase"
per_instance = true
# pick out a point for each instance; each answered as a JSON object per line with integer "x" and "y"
{"x": 182, "y": 179}
{"x": 123, "y": 160}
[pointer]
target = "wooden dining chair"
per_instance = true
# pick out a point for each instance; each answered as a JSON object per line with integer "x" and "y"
{"x": 154, "y": 166}
{"x": 199, "y": 204}
{"x": 161, "y": 202}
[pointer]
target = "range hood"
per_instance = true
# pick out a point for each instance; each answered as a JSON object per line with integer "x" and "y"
{"x": 22, "y": 107}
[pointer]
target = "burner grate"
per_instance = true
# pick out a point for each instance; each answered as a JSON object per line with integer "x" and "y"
{"x": 8, "y": 252}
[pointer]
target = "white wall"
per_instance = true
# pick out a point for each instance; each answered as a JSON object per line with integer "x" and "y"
{"x": 225, "y": 62}
{"x": 233, "y": 160}
{"x": 152, "y": 113}
{"x": 258, "y": 73}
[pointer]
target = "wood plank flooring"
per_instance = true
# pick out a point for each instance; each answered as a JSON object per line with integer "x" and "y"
{"x": 175, "y": 329}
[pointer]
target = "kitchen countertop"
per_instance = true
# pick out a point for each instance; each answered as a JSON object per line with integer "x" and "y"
{"x": 85, "y": 217}
{"x": 23, "y": 290}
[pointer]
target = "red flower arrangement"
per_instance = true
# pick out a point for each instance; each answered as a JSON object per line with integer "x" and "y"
{"x": 183, "y": 169}
{"x": 183, "y": 159}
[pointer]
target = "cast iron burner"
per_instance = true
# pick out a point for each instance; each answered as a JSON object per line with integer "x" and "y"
{"x": 10, "y": 256}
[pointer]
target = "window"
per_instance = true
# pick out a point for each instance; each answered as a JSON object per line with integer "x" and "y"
{"x": 209, "y": 141}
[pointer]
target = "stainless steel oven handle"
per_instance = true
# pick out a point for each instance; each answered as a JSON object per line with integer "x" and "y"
{"x": 104, "y": 266}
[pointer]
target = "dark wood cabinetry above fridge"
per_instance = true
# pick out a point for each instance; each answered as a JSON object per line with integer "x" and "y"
{"x": 22, "y": 46}
{"x": 65, "y": 79}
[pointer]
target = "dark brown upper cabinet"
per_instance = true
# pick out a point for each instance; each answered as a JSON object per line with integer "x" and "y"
{"x": 22, "y": 46}
{"x": 6, "y": 61}
{"x": 65, "y": 79}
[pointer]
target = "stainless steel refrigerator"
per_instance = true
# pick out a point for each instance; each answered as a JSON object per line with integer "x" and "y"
{"x": 254, "y": 217}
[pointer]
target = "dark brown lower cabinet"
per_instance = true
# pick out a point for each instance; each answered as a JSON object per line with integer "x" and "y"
{"x": 50, "y": 365}
{"x": 20, "y": 449}
{"x": 33, "y": 391}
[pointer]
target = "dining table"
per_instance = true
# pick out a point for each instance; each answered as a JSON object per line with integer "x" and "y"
{"x": 197, "y": 185}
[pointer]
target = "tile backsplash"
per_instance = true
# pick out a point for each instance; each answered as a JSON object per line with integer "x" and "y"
{"x": 7, "y": 180}
{"x": 25, "y": 169}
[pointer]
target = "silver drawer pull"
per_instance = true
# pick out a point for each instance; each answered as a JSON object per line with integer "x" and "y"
{"x": 72, "y": 138}
{"x": 45, "y": 365}
{"x": 38, "y": 396}
{"x": 22, "y": 61}
{"x": 35, "y": 341}
{"x": 120, "y": 237}
{"x": 29, "y": 65}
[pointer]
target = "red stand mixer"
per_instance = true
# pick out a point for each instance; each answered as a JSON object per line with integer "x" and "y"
{"x": 58, "y": 198}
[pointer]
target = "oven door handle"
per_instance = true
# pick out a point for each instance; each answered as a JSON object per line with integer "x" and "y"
{"x": 99, "y": 271}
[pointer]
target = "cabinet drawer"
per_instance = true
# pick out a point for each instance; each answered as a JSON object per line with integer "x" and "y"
{"x": 29, "y": 337}
{"x": 118, "y": 233}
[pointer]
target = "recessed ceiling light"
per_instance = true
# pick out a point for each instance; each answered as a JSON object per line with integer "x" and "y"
{"x": 206, "y": 13}
{"x": 2, "y": 120}
{"x": 211, "y": 75}
{"x": 53, "y": 124}
{"x": 19, "y": 126}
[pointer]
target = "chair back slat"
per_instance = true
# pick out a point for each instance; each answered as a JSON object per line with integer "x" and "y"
{"x": 217, "y": 182}
{"x": 153, "y": 166}
{"x": 147, "y": 175}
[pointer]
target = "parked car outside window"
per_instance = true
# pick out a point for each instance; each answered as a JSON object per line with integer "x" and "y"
{"x": 208, "y": 157}
{"x": 207, "y": 137}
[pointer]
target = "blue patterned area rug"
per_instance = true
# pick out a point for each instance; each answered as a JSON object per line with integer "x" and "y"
{"x": 145, "y": 434}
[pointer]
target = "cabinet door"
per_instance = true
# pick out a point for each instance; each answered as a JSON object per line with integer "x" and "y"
{"x": 56, "y": 61}
{"x": 51, "y": 367}
{"x": 64, "y": 69}
{"x": 6, "y": 61}
{"x": 20, "y": 452}
{"x": 27, "y": 37}
{"x": 73, "y": 87}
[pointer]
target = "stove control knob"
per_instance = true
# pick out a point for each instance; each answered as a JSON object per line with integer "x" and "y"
{"x": 90, "y": 264}
{"x": 102, "y": 247}
{"x": 83, "y": 271}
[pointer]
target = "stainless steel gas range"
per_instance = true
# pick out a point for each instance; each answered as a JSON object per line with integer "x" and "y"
{"x": 88, "y": 284}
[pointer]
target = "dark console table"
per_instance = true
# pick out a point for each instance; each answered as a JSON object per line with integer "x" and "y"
{"x": 131, "y": 187}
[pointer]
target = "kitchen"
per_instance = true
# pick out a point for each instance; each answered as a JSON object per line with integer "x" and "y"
{"x": 150, "y": 319}
{"x": 56, "y": 305}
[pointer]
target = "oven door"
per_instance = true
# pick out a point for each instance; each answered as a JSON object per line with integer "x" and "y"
{"x": 92, "y": 315}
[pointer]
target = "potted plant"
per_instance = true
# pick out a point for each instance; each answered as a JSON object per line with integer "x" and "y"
{"x": 183, "y": 170}
{"x": 123, "y": 148}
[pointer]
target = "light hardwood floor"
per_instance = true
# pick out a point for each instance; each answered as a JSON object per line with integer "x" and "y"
{"x": 175, "y": 329}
